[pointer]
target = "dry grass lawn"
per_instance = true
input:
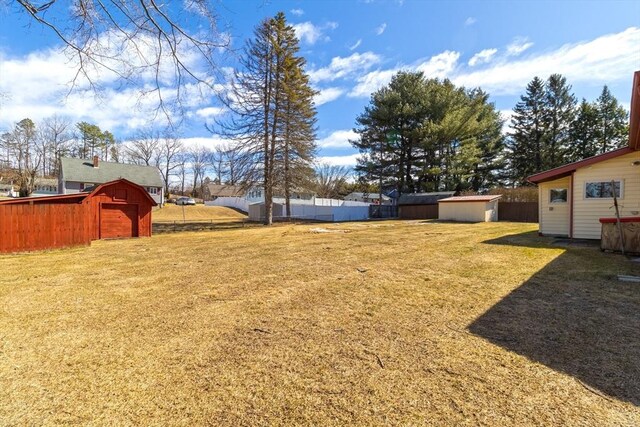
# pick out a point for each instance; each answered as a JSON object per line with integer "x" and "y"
{"x": 385, "y": 323}
{"x": 171, "y": 212}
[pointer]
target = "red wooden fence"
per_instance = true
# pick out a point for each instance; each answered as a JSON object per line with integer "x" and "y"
{"x": 28, "y": 227}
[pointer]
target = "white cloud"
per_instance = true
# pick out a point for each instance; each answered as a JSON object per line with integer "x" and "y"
{"x": 518, "y": 45}
{"x": 470, "y": 21}
{"x": 438, "y": 66}
{"x": 381, "y": 28}
{"x": 309, "y": 33}
{"x": 356, "y": 45}
{"x": 297, "y": 12}
{"x": 208, "y": 142}
{"x": 341, "y": 67}
{"x": 350, "y": 160}
{"x": 328, "y": 95}
{"x": 482, "y": 57}
{"x": 338, "y": 139}
{"x": 604, "y": 60}
{"x": 209, "y": 112}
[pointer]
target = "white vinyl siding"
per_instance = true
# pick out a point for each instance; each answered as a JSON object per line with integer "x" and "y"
{"x": 554, "y": 217}
{"x": 588, "y": 211}
{"x": 468, "y": 211}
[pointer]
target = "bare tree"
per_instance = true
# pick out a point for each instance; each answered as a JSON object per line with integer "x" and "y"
{"x": 330, "y": 179}
{"x": 136, "y": 41}
{"x": 55, "y": 135}
{"x": 200, "y": 161}
{"x": 143, "y": 149}
{"x": 21, "y": 145}
{"x": 168, "y": 157}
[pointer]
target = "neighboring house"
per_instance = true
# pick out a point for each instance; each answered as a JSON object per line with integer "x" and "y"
{"x": 373, "y": 198}
{"x": 469, "y": 208}
{"x": 8, "y": 190}
{"x": 45, "y": 187}
{"x": 223, "y": 190}
{"x": 77, "y": 175}
{"x": 421, "y": 205}
{"x": 573, "y": 197}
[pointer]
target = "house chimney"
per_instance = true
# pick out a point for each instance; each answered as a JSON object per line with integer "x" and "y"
{"x": 96, "y": 161}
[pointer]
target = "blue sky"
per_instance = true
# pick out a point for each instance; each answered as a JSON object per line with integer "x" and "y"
{"x": 353, "y": 48}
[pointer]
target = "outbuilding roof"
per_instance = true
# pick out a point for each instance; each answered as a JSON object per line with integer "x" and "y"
{"x": 423, "y": 198}
{"x": 82, "y": 170}
{"x": 224, "y": 190}
{"x": 467, "y": 199}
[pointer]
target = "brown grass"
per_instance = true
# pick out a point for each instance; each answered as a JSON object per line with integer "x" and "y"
{"x": 171, "y": 212}
{"x": 410, "y": 323}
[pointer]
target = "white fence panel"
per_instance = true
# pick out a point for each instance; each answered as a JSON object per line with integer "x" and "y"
{"x": 350, "y": 213}
{"x": 230, "y": 202}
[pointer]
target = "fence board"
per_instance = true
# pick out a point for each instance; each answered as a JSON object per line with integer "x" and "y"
{"x": 518, "y": 211}
{"x": 42, "y": 226}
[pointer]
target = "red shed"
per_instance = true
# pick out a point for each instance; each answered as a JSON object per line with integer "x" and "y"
{"x": 116, "y": 209}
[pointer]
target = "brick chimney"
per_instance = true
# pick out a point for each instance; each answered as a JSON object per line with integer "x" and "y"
{"x": 96, "y": 161}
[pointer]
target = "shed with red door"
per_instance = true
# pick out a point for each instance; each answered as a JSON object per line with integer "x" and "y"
{"x": 116, "y": 209}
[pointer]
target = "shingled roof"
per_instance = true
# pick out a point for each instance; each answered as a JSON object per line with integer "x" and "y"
{"x": 423, "y": 198}
{"x": 82, "y": 170}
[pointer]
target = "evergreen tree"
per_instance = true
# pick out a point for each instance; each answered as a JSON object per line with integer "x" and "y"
{"x": 299, "y": 118}
{"x": 560, "y": 105}
{"x": 527, "y": 138}
{"x": 421, "y": 134}
{"x": 272, "y": 117}
{"x": 584, "y": 132}
{"x": 613, "y": 121}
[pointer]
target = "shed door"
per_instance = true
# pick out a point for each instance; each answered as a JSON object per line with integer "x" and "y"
{"x": 118, "y": 221}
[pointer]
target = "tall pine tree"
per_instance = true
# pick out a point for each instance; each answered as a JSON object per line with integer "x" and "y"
{"x": 584, "y": 132}
{"x": 527, "y": 138}
{"x": 560, "y": 106}
{"x": 612, "y": 118}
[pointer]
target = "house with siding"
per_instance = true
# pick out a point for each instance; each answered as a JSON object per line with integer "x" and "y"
{"x": 572, "y": 198}
{"x": 77, "y": 175}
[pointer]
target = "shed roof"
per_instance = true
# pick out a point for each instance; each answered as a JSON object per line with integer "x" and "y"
{"x": 424, "y": 198}
{"x": 82, "y": 170}
{"x": 468, "y": 199}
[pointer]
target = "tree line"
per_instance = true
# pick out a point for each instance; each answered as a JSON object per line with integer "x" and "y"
{"x": 419, "y": 134}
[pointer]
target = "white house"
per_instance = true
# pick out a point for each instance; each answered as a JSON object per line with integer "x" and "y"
{"x": 572, "y": 198}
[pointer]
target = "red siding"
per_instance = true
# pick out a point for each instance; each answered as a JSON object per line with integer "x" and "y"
{"x": 54, "y": 222}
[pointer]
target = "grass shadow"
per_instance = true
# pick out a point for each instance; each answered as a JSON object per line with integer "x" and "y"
{"x": 574, "y": 317}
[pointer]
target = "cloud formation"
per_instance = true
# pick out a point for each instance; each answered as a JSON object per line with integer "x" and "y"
{"x": 338, "y": 139}
{"x": 310, "y": 33}
{"x": 297, "y": 12}
{"x": 381, "y": 28}
{"x": 341, "y": 67}
{"x": 355, "y": 45}
{"x": 518, "y": 45}
{"x": 470, "y": 21}
{"x": 327, "y": 95}
{"x": 482, "y": 57}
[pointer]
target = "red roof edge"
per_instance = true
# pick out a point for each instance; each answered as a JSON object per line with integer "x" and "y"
{"x": 19, "y": 200}
{"x": 562, "y": 171}
{"x": 133, "y": 184}
{"x": 634, "y": 117}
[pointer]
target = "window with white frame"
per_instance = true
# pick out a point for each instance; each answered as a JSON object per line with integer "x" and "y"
{"x": 558, "y": 195}
{"x": 152, "y": 190}
{"x": 602, "y": 189}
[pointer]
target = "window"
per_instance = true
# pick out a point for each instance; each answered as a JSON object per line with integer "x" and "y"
{"x": 602, "y": 190}
{"x": 558, "y": 195}
{"x": 152, "y": 190}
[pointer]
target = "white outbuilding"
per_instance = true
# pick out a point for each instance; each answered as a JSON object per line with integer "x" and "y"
{"x": 469, "y": 208}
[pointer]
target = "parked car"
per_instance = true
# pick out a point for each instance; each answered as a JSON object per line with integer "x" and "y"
{"x": 185, "y": 201}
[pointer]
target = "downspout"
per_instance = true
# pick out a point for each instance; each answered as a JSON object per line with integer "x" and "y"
{"x": 571, "y": 206}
